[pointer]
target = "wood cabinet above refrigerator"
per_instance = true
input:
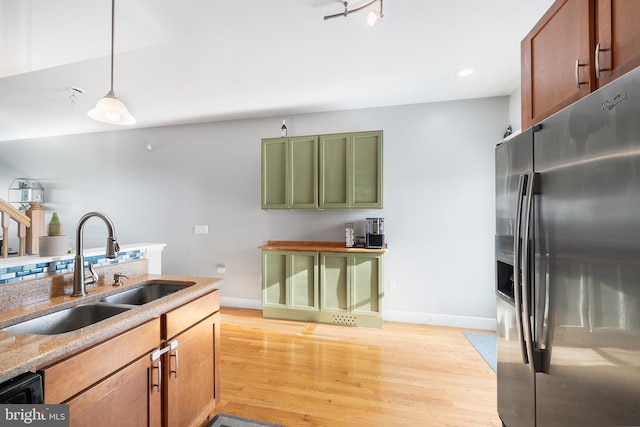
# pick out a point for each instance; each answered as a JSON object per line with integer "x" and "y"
{"x": 575, "y": 48}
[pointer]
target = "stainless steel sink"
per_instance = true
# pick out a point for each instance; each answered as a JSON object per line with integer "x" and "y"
{"x": 84, "y": 315}
{"x": 149, "y": 291}
{"x": 67, "y": 320}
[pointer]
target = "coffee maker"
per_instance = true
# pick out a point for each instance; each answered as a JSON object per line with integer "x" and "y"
{"x": 374, "y": 237}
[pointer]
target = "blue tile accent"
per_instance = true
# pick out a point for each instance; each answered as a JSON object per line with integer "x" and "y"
{"x": 44, "y": 269}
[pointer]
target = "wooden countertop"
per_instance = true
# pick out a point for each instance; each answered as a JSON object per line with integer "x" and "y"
{"x": 292, "y": 245}
{"x": 25, "y": 352}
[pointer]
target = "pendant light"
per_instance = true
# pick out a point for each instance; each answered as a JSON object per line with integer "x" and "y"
{"x": 110, "y": 109}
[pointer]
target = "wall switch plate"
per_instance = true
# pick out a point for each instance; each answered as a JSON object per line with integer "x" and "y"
{"x": 222, "y": 269}
{"x": 200, "y": 229}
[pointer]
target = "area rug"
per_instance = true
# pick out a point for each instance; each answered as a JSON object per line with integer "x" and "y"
{"x": 224, "y": 420}
{"x": 485, "y": 344}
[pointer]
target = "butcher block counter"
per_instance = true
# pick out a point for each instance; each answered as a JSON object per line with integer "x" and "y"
{"x": 293, "y": 245}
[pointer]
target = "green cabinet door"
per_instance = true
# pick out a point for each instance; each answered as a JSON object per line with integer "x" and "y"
{"x": 274, "y": 161}
{"x": 334, "y": 282}
{"x": 334, "y": 171}
{"x": 303, "y": 176}
{"x": 351, "y": 171}
{"x": 303, "y": 280}
{"x": 366, "y": 284}
{"x": 290, "y": 173}
{"x": 290, "y": 280}
{"x": 351, "y": 283}
{"x": 366, "y": 170}
{"x": 274, "y": 278}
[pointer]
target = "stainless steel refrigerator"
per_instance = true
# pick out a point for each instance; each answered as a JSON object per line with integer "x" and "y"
{"x": 568, "y": 265}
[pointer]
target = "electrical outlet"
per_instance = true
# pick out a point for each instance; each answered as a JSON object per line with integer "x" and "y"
{"x": 222, "y": 269}
{"x": 393, "y": 286}
{"x": 200, "y": 229}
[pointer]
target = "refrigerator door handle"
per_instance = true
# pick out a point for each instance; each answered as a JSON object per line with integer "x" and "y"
{"x": 531, "y": 187}
{"x": 517, "y": 256}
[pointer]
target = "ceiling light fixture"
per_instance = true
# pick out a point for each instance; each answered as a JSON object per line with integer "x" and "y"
{"x": 373, "y": 17}
{"x": 465, "y": 72}
{"x": 110, "y": 109}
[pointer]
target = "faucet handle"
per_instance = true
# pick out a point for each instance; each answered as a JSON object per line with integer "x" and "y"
{"x": 117, "y": 279}
{"x": 93, "y": 278}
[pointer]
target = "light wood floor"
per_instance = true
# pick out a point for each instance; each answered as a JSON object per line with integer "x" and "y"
{"x": 308, "y": 374}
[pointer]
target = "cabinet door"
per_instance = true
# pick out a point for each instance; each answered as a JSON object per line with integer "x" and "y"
{"x": 274, "y": 278}
{"x": 557, "y": 60}
{"x": 125, "y": 399}
{"x": 335, "y": 181}
{"x": 366, "y": 283}
{"x": 618, "y": 37}
{"x": 334, "y": 282}
{"x": 366, "y": 170}
{"x": 303, "y": 280}
{"x": 290, "y": 279}
{"x": 303, "y": 176}
{"x": 192, "y": 386}
{"x": 275, "y": 157}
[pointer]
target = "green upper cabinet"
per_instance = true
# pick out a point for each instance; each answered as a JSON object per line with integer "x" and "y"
{"x": 351, "y": 171}
{"x": 340, "y": 171}
{"x": 290, "y": 173}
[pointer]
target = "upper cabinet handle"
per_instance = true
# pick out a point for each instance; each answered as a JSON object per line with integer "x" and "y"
{"x": 598, "y": 61}
{"x": 578, "y": 82}
{"x": 599, "y": 50}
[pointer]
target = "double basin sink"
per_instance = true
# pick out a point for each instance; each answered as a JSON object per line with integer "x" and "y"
{"x": 84, "y": 315}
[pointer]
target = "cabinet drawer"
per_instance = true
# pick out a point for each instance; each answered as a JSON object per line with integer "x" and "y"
{"x": 64, "y": 379}
{"x": 189, "y": 314}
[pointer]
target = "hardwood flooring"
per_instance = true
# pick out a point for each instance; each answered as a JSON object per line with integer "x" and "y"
{"x": 308, "y": 374}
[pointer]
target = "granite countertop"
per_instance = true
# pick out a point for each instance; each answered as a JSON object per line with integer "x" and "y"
{"x": 292, "y": 245}
{"x": 25, "y": 352}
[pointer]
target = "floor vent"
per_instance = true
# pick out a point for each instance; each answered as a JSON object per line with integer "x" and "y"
{"x": 341, "y": 319}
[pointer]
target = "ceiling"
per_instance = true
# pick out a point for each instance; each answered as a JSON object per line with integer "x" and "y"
{"x": 192, "y": 61}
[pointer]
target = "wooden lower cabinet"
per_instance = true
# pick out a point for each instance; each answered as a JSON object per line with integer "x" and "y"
{"x": 162, "y": 373}
{"x": 125, "y": 399}
{"x": 192, "y": 383}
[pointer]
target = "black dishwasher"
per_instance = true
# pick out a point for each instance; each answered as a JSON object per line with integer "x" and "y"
{"x": 23, "y": 389}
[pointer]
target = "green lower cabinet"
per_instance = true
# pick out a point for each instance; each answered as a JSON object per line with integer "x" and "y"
{"x": 351, "y": 288}
{"x": 290, "y": 280}
{"x": 327, "y": 287}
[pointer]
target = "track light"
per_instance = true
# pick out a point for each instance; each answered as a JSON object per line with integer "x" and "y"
{"x": 110, "y": 109}
{"x": 373, "y": 17}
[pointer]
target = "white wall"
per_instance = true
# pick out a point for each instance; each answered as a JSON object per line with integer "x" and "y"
{"x": 515, "y": 110}
{"x": 439, "y": 199}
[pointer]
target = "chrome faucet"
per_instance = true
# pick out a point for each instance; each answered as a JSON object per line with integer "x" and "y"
{"x": 79, "y": 280}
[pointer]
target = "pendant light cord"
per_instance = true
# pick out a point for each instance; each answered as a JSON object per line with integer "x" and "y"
{"x": 113, "y": 25}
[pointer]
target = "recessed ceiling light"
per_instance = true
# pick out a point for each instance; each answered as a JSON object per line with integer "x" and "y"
{"x": 465, "y": 72}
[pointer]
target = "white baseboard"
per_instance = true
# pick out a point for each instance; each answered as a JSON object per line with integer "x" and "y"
{"x": 468, "y": 322}
{"x": 255, "y": 304}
